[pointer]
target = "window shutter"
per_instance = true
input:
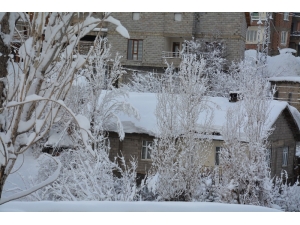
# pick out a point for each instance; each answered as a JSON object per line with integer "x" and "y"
{"x": 129, "y": 50}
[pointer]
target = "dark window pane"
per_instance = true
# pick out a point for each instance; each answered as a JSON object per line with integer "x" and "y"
{"x": 129, "y": 50}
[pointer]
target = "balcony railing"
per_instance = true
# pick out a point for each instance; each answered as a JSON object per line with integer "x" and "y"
{"x": 170, "y": 54}
{"x": 295, "y": 33}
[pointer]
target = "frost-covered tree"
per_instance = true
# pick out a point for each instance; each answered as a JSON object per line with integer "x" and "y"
{"x": 37, "y": 85}
{"x": 83, "y": 176}
{"x": 179, "y": 151}
{"x": 245, "y": 175}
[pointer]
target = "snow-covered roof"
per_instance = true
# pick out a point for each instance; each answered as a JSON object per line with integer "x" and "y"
{"x": 290, "y": 79}
{"x": 287, "y": 50}
{"x": 145, "y": 103}
{"x": 286, "y": 65}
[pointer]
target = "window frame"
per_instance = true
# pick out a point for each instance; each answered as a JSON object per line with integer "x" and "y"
{"x": 179, "y": 14}
{"x": 136, "y": 13}
{"x": 286, "y": 16}
{"x": 284, "y": 35}
{"x": 133, "y": 52}
{"x": 145, "y": 147}
{"x": 253, "y": 35}
{"x": 285, "y": 156}
{"x": 217, "y": 156}
{"x": 269, "y": 157}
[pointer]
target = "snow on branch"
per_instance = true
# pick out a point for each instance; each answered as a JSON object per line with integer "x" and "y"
{"x": 48, "y": 181}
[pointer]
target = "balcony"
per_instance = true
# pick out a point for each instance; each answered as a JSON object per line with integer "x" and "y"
{"x": 170, "y": 54}
{"x": 295, "y": 33}
{"x": 171, "y": 57}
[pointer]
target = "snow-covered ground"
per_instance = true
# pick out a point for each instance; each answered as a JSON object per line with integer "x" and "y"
{"x": 29, "y": 167}
{"x": 142, "y": 206}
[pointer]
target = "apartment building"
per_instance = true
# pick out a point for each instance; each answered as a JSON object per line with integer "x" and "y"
{"x": 158, "y": 37}
{"x": 280, "y": 31}
{"x": 295, "y": 33}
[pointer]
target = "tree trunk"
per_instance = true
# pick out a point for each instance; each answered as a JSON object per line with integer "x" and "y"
{"x": 4, "y": 52}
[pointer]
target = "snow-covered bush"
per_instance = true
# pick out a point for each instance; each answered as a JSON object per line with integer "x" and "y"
{"x": 285, "y": 195}
{"x": 84, "y": 177}
{"x": 180, "y": 148}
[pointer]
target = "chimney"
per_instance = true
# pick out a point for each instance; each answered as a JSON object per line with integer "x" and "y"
{"x": 234, "y": 96}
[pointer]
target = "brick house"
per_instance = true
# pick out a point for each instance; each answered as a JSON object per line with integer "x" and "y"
{"x": 280, "y": 31}
{"x": 139, "y": 134}
{"x": 295, "y": 33}
{"x": 158, "y": 36}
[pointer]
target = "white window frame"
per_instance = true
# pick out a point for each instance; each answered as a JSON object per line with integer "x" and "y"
{"x": 217, "y": 156}
{"x": 283, "y": 37}
{"x": 257, "y": 15}
{"x": 135, "y": 16}
{"x": 285, "y": 156}
{"x": 146, "y": 149}
{"x": 286, "y": 16}
{"x": 253, "y": 35}
{"x": 178, "y": 17}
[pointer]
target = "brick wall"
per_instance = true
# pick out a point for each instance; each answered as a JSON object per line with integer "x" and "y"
{"x": 230, "y": 27}
{"x": 279, "y": 25}
{"x": 157, "y": 29}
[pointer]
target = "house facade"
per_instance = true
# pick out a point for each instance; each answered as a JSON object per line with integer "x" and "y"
{"x": 295, "y": 33}
{"x": 287, "y": 89}
{"x": 280, "y": 31}
{"x": 158, "y": 37}
{"x": 285, "y": 122}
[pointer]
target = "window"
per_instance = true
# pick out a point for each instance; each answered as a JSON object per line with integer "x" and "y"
{"x": 257, "y": 15}
{"x": 146, "y": 149}
{"x": 217, "y": 157}
{"x": 268, "y": 157}
{"x": 253, "y": 35}
{"x": 135, "y": 49}
{"x": 289, "y": 97}
{"x": 286, "y": 16}
{"x": 177, "y": 16}
{"x": 283, "y": 37}
{"x": 285, "y": 153}
{"x": 136, "y": 16}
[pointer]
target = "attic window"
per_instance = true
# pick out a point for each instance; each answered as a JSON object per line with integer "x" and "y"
{"x": 136, "y": 16}
{"x": 177, "y": 16}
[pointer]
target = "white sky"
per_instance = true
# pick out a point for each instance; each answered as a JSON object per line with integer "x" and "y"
{"x": 145, "y": 6}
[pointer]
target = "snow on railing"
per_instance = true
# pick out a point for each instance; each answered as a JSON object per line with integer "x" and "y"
{"x": 170, "y": 54}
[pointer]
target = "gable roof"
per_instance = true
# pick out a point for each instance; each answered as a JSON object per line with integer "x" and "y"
{"x": 145, "y": 103}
